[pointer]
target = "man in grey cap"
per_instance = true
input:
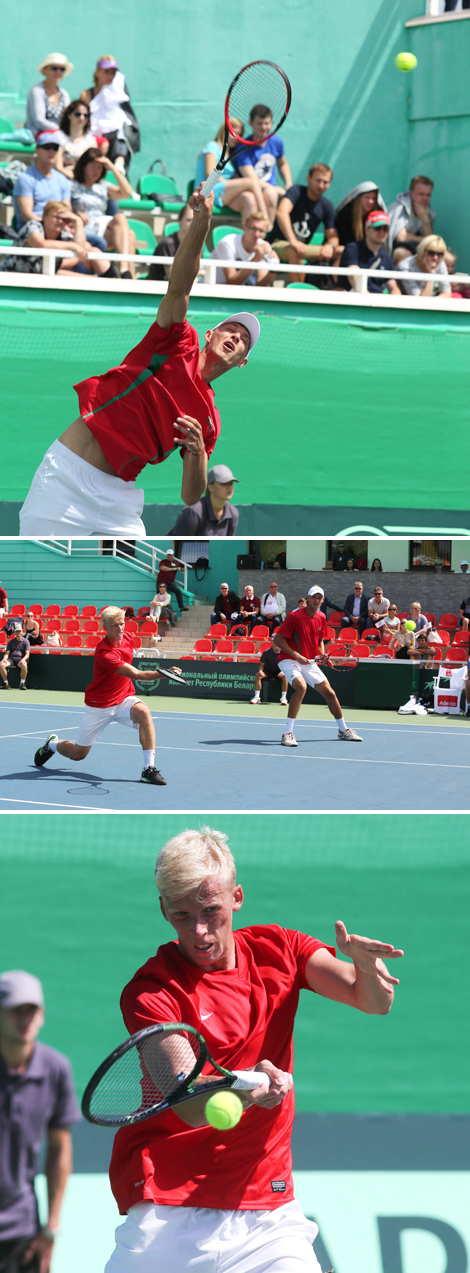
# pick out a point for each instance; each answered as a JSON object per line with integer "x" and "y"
{"x": 212, "y": 515}
{"x": 37, "y": 1100}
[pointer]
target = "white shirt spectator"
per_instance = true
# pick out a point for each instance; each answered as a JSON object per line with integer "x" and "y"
{"x": 229, "y": 249}
{"x": 378, "y": 607}
{"x": 413, "y": 287}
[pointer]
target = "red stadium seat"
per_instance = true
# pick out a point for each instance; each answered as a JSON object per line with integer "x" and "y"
{"x": 53, "y": 625}
{"x": 449, "y": 621}
{"x": 208, "y": 658}
{"x": 136, "y": 641}
{"x": 264, "y": 645}
{"x": 91, "y": 625}
{"x": 260, "y": 633}
{"x": 217, "y": 630}
{"x": 91, "y": 642}
{"x": 202, "y": 646}
{"x": 370, "y": 634}
{"x": 73, "y": 642}
{"x": 437, "y": 652}
{"x": 71, "y": 625}
{"x": 431, "y": 617}
{"x": 88, "y": 612}
{"x": 362, "y": 649}
{"x": 383, "y": 652}
{"x": 246, "y": 647}
{"x": 3, "y": 640}
{"x": 70, "y": 612}
{"x": 18, "y": 610}
{"x": 142, "y": 613}
{"x": 131, "y": 625}
{"x": 234, "y": 630}
{"x": 330, "y": 634}
{"x": 461, "y": 638}
{"x": 348, "y": 635}
{"x": 186, "y": 658}
{"x": 223, "y": 647}
{"x": 445, "y": 636}
{"x": 36, "y": 609}
{"x": 52, "y": 612}
{"x": 456, "y": 654}
{"x": 336, "y": 618}
{"x": 337, "y": 648}
{"x": 148, "y": 627}
{"x": 401, "y": 614}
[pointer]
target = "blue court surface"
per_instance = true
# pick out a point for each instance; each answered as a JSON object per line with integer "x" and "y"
{"x": 229, "y": 756}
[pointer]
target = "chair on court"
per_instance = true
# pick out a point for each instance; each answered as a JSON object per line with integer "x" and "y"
{"x": 91, "y": 642}
{"x": 36, "y": 609}
{"x": 370, "y": 634}
{"x": 52, "y": 612}
{"x": 217, "y": 630}
{"x": 19, "y": 610}
{"x": 73, "y": 642}
{"x": 91, "y": 625}
{"x": 70, "y": 612}
{"x": 245, "y": 647}
{"x": 449, "y": 621}
{"x": 260, "y": 632}
{"x": 202, "y": 646}
{"x": 383, "y": 652}
{"x": 348, "y": 635}
{"x": 223, "y": 647}
{"x": 362, "y": 649}
{"x": 71, "y": 625}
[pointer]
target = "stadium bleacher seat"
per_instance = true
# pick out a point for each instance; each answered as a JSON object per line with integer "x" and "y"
{"x": 456, "y": 654}
{"x": 370, "y": 634}
{"x": 431, "y": 617}
{"x": 362, "y": 649}
{"x": 88, "y": 612}
{"x": 445, "y": 636}
{"x": 337, "y": 648}
{"x": 70, "y": 612}
{"x": 91, "y": 625}
{"x": 131, "y": 625}
{"x": 383, "y": 652}
{"x": 245, "y": 646}
{"x": 348, "y": 635}
{"x": 148, "y": 627}
{"x": 330, "y": 634}
{"x": 3, "y": 640}
{"x": 71, "y": 625}
{"x": 52, "y": 612}
{"x": 223, "y": 647}
{"x": 146, "y": 241}
{"x": 155, "y": 183}
{"x": 217, "y": 630}
{"x": 220, "y": 232}
{"x": 449, "y": 621}
{"x": 91, "y": 642}
{"x": 53, "y": 625}
{"x": 202, "y": 646}
{"x": 261, "y": 633}
{"x": 336, "y": 618}
{"x": 19, "y": 609}
{"x": 236, "y": 628}
{"x": 73, "y": 642}
{"x": 36, "y": 609}
{"x": 461, "y": 638}
{"x": 437, "y": 653}
{"x": 264, "y": 645}
{"x": 136, "y": 641}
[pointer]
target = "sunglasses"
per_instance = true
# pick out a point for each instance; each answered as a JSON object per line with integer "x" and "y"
{"x": 57, "y": 68}
{"x": 80, "y": 115}
{"x": 49, "y": 146}
{"x": 438, "y": 255}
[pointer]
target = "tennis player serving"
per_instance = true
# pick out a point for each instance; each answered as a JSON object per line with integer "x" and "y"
{"x": 194, "y": 1197}
{"x": 159, "y": 398}
{"x": 300, "y": 639}
{"x": 111, "y": 697}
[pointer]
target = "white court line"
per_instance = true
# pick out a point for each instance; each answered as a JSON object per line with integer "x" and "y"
{"x": 54, "y": 804}
{"x": 418, "y": 764}
{"x": 264, "y": 720}
{"x": 30, "y": 733}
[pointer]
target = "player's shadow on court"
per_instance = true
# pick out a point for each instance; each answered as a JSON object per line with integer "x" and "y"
{"x": 258, "y": 742}
{"x": 64, "y": 775}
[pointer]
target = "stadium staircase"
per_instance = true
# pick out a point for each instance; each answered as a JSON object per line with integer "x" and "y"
{"x": 194, "y": 623}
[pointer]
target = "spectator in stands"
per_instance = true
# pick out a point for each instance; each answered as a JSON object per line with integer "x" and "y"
{"x": 378, "y": 607}
{"x": 459, "y": 290}
{"x": 169, "y": 246}
{"x": 250, "y": 606}
{"x": 75, "y": 128}
{"x": 37, "y": 1103}
{"x": 465, "y": 614}
{"x": 249, "y": 246}
{"x": 16, "y": 655}
{"x": 60, "y": 227}
{"x": 369, "y": 254}
{"x": 269, "y": 671}
{"x": 31, "y": 630}
{"x": 302, "y": 603}
{"x": 300, "y": 211}
{"x": 356, "y": 613}
{"x": 213, "y": 515}
{"x": 47, "y": 101}
{"x": 227, "y": 607}
{"x": 350, "y": 565}
{"x": 420, "y": 652}
{"x": 111, "y": 112}
{"x": 3, "y": 601}
{"x": 411, "y": 218}
{"x": 241, "y": 194}
{"x": 161, "y": 604}
{"x": 402, "y": 642}
{"x": 273, "y": 607}
{"x": 390, "y": 624}
{"x": 90, "y": 192}
{"x": 351, "y": 214}
{"x": 40, "y": 183}
{"x": 263, "y": 159}
{"x": 167, "y": 575}
{"x": 376, "y": 565}
{"x": 463, "y": 567}
{"x": 422, "y": 623}
{"x": 341, "y": 555}
{"x": 429, "y": 259}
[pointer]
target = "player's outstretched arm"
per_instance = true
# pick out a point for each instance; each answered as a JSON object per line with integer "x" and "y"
{"x": 185, "y": 269}
{"x": 365, "y": 984}
{"x": 143, "y": 674}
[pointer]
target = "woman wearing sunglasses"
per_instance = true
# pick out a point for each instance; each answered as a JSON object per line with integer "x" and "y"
{"x": 75, "y": 125}
{"x": 429, "y": 259}
{"x": 47, "y": 101}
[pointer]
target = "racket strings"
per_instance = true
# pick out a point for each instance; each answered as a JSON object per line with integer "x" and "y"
{"x": 258, "y": 84}
{"x": 144, "y": 1076}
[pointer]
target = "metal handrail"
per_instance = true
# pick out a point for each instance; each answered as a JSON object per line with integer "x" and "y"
{"x": 149, "y": 556}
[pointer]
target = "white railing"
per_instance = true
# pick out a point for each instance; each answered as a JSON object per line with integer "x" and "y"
{"x": 209, "y": 267}
{"x": 138, "y": 553}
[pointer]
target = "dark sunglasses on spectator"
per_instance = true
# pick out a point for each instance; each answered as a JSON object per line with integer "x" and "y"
{"x": 50, "y": 146}
{"x": 81, "y": 115}
{"x": 57, "y": 68}
{"x": 438, "y": 255}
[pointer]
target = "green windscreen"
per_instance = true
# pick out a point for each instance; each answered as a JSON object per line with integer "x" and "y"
{"x": 80, "y": 910}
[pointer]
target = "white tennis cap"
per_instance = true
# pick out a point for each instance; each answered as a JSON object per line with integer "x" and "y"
{"x": 247, "y": 320}
{"x": 316, "y": 588}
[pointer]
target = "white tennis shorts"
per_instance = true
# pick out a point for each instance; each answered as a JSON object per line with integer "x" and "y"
{"x": 311, "y": 673}
{"x": 96, "y": 719}
{"x": 156, "y": 1239}
{"x": 69, "y": 497}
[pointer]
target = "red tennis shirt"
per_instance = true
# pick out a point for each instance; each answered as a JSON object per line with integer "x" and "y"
{"x": 132, "y": 410}
{"x": 107, "y": 687}
{"x": 246, "y": 1015}
{"x": 303, "y": 633}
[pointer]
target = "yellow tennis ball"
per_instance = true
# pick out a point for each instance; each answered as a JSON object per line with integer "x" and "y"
{"x": 224, "y": 1110}
{"x": 406, "y": 61}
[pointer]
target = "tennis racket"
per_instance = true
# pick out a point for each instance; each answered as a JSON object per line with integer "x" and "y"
{"x": 171, "y": 676}
{"x": 341, "y": 662}
{"x": 154, "y": 1070}
{"x": 258, "y": 82}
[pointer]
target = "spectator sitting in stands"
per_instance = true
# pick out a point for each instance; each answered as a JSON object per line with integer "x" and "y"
{"x": 212, "y": 515}
{"x": 376, "y": 565}
{"x": 75, "y": 127}
{"x": 269, "y": 671}
{"x": 89, "y": 193}
{"x": 241, "y": 194}
{"x": 422, "y": 623}
{"x": 458, "y": 289}
{"x": 341, "y": 555}
{"x": 249, "y": 246}
{"x": 465, "y": 614}
{"x": 356, "y": 609}
{"x": 250, "y": 606}
{"x": 351, "y": 214}
{"x": 429, "y": 259}
{"x": 3, "y": 601}
{"x": 463, "y": 567}
{"x": 31, "y": 630}
{"x": 167, "y": 574}
{"x": 112, "y": 116}
{"x": 60, "y": 227}
{"x": 390, "y": 624}
{"x": 40, "y": 183}
{"x": 350, "y": 566}
{"x": 420, "y": 652}
{"x": 402, "y": 642}
{"x": 161, "y": 603}
{"x": 47, "y": 101}
{"x": 169, "y": 246}
{"x": 369, "y": 254}
{"x": 302, "y": 604}
{"x": 226, "y": 608}
{"x": 411, "y": 218}
{"x": 300, "y": 211}
{"x": 378, "y": 607}
{"x": 261, "y": 160}
{"x": 16, "y": 655}
{"x": 273, "y": 607}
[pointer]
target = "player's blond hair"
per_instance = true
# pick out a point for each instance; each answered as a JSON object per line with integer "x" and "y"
{"x": 110, "y": 613}
{"x": 192, "y": 857}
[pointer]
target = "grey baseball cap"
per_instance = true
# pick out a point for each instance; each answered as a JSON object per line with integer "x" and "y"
{"x": 19, "y": 987}
{"x": 221, "y": 473}
{"x": 247, "y": 320}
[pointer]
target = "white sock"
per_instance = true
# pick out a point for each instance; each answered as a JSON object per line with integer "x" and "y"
{"x": 23, "y": 682}
{"x": 284, "y": 698}
{"x": 290, "y": 725}
{"x": 256, "y": 694}
{"x": 52, "y": 746}
{"x": 149, "y": 759}
{"x": 342, "y": 724}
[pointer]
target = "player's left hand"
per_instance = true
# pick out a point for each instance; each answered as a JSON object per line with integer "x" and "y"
{"x": 367, "y": 953}
{"x": 201, "y": 207}
{"x": 281, "y": 1084}
{"x": 191, "y": 434}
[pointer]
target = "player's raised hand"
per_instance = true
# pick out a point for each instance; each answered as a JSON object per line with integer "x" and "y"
{"x": 188, "y": 433}
{"x": 281, "y": 1084}
{"x": 201, "y": 207}
{"x": 367, "y": 954}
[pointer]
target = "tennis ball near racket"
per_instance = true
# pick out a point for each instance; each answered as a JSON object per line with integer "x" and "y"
{"x": 224, "y": 1110}
{"x": 406, "y": 61}
{"x": 410, "y": 625}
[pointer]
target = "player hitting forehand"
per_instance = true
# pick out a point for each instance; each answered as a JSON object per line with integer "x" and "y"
{"x": 111, "y": 698}
{"x": 300, "y": 639}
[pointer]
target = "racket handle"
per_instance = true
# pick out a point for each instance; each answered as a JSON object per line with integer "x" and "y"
{"x": 247, "y": 1080}
{"x": 209, "y": 183}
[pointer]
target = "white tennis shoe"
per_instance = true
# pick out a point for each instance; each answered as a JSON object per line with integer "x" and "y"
{"x": 349, "y": 736}
{"x": 255, "y": 700}
{"x": 289, "y": 740}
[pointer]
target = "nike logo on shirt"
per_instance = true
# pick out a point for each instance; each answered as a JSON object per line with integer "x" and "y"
{"x": 205, "y": 1015}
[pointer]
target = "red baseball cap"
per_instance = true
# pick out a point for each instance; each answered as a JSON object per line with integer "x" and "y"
{"x": 378, "y": 218}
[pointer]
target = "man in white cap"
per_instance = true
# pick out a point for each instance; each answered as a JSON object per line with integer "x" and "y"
{"x": 463, "y": 567}
{"x": 300, "y": 639}
{"x": 212, "y": 515}
{"x": 159, "y": 399}
{"x": 37, "y": 1100}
